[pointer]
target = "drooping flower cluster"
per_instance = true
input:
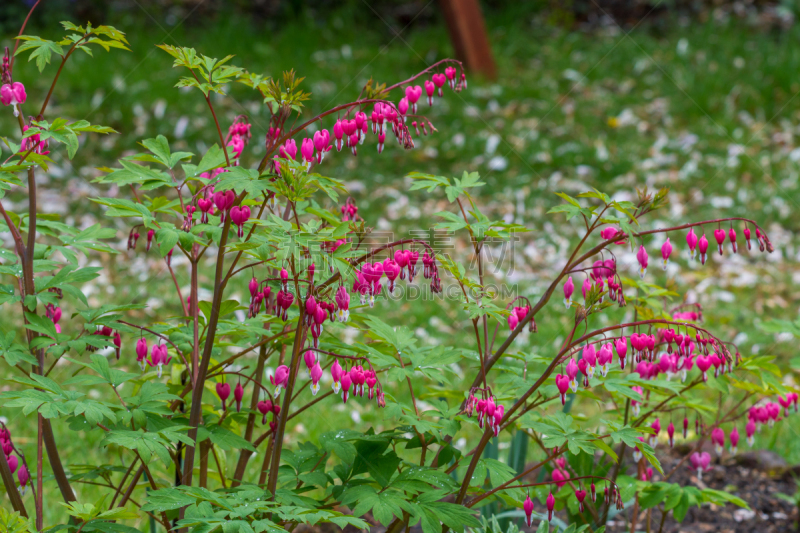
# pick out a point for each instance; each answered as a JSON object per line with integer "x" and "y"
{"x": 488, "y": 410}
{"x": 8, "y": 450}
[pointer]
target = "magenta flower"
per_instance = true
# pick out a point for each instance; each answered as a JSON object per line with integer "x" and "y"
{"x": 281, "y": 379}
{"x": 342, "y": 304}
{"x": 580, "y": 495}
{"x": 527, "y": 506}
{"x": 734, "y": 438}
{"x": 589, "y": 355}
{"x": 310, "y": 359}
{"x": 288, "y": 150}
{"x": 264, "y": 407}
{"x": 551, "y": 504}
{"x": 621, "y": 345}
{"x": 347, "y": 382}
{"x": 569, "y": 288}
{"x": 732, "y": 237}
{"x": 560, "y": 477}
{"x": 430, "y": 88}
{"x": 23, "y": 476}
{"x": 747, "y": 237}
{"x": 691, "y": 241}
{"x": 159, "y": 357}
{"x": 336, "y": 374}
{"x": 316, "y": 375}
{"x": 322, "y": 143}
{"x": 13, "y": 94}
{"x": 666, "y": 250}
{"x": 307, "y": 151}
{"x": 371, "y": 380}
{"x": 642, "y": 257}
{"x": 392, "y": 271}
{"x": 238, "y": 394}
{"x": 13, "y": 463}
{"x": 413, "y": 95}
{"x": 439, "y": 80}
{"x": 656, "y": 426}
{"x": 224, "y": 392}
{"x": 718, "y": 440}
{"x": 239, "y": 217}
{"x": 604, "y": 358}
{"x": 750, "y": 430}
{"x": 562, "y": 382}
{"x": 572, "y": 374}
{"x": 338, "y": 133}
{"x": 703, "y": 364}
{"x": 719, "y": 236}
{"x": 701, "y": 462}
{"x": 702, "y": 247}
{"x": 450, "y": 72}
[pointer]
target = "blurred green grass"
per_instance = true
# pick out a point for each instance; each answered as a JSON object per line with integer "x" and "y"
{"x": 708, "y": 110}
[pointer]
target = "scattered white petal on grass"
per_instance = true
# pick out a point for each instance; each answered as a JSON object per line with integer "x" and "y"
{"x": 180, "y": 126}
{"x": 721, "y": 202}
{"x": 492, "y": 143}
{"x": 498, "y": 162}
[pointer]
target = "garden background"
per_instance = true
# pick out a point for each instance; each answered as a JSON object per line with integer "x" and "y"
{"x": 703, "y": 98}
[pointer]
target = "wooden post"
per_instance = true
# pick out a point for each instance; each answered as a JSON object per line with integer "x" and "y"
{"x": 468, "y": 35}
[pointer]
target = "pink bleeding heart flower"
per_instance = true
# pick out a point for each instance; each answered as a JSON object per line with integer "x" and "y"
{"x": 621, "y": 346}
{"x": 159, "y": 356}
{"x": 586, "y": 288}
{"x": 141, "y": 352}
{"x": 666, "y": 250}
{"x": 439, "y": 80}
{"x": 342, "y": 304}
{"x": 702, "y": 247}
{"x": 338, "y": 133}
{"x": 402, "y": 107}
{"x": 13, "y": 94}
{"x": 703, "y": 364}
{"x": 316, "y": 375}
{"x": 23, "y": 476}
{"x": 281, "y": 379}
{"x": 336, "y": 374}
{"x": 430, "y": 88}
{"x": 450, "y": 72}
{"x": 392, "y": 271}
{"x": 551, "y": 505}
{"x": 734, "y": 438}
{"x": 264, "y": 407}
{"x": 700, "y": 462}
{"x": 747, "y": 237}
{"x": 322, "y": 143}
{"x": 13, "y": 463}
{"x": 347, "y": 382}
{"x": 718, "y": 440}
{"x": 288, "y": 150}
{"x": 223, "y": 391}
{"x": 527, "y": 507}
{"x": 238, "y": 394}
{"x": 732, "y": 238}
{"x": 750, "y": 430}
{"x": 572, "y": 374}
{"x": 560, "y": 477}
{"x": 590, "y": 356}
{"x": 691, "y": 241}
{"x": 604, "y": 358}
{"x": 413, "y": 95}
{"x": 580, "y": 495}
{"x": 569, "y": 288}
{"x": 642, "y": 257}
{"x": 307, "y": 151}
{"x": 513, "y": 321}
{"x": 562, "y": 382}
{"x": 719, "y": 236}
{"x": 239, "y": 217}
{"x": 671, "y": 434}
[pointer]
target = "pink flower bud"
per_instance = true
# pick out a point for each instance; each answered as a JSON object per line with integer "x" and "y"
{"x": 223, "y": 391}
